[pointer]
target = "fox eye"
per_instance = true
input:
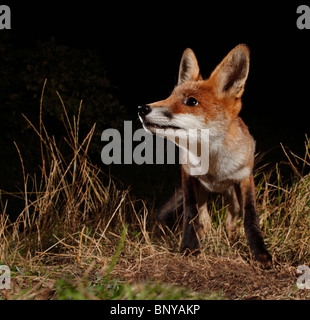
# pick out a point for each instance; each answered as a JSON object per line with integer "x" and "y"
{"x": 191, "y": 102}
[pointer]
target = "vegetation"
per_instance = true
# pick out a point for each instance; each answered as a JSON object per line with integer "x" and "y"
{"x": 81, "y": 235}
{"x": 76, "y": 74}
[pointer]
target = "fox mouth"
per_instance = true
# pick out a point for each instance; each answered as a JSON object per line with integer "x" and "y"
{"x": 150, "y": 126}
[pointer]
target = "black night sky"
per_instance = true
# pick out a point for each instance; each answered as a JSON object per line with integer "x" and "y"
{"x": 141, "y": 44}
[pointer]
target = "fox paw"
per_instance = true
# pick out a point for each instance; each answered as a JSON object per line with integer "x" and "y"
{"x": 264, "y": 260}
{"x": 187, "y": 249}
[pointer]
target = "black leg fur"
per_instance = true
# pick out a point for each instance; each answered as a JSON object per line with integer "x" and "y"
{"x": 169, "y": 212}
{"x": 190, "y": 243}
{"x": 251, "y": 223}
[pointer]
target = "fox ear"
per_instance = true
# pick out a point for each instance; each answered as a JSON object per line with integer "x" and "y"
{"x": 231, "y": 74}
{"x": 189, "y": 68}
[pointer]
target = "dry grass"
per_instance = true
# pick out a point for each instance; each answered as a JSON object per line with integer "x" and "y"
{"x": 80, "y": 236}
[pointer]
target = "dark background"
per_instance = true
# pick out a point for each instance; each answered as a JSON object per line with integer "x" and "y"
{"x": 139, "y": 46}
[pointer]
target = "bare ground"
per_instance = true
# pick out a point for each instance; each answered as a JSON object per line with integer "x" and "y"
{"x": 233, "y": 277}
{"x": 230, "y": 277}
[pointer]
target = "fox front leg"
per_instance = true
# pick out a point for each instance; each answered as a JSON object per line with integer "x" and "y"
{"x": 253, "y": 232}
{"x": 190, "y": 242}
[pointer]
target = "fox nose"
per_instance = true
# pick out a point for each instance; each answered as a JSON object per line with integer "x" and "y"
{"x": 144, "y": 110}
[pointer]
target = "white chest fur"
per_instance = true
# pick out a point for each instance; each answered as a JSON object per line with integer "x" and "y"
{"x": 225, "y": 167}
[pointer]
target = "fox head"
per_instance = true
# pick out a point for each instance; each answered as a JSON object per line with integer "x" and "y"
{"x": 201, "y": 104}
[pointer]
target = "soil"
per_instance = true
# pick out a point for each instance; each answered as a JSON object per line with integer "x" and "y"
{"x": 230, "y": 277}
{"x": 234, "y": 277}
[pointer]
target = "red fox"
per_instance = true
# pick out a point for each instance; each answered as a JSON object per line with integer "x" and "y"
{"x": 212, "y": 104}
